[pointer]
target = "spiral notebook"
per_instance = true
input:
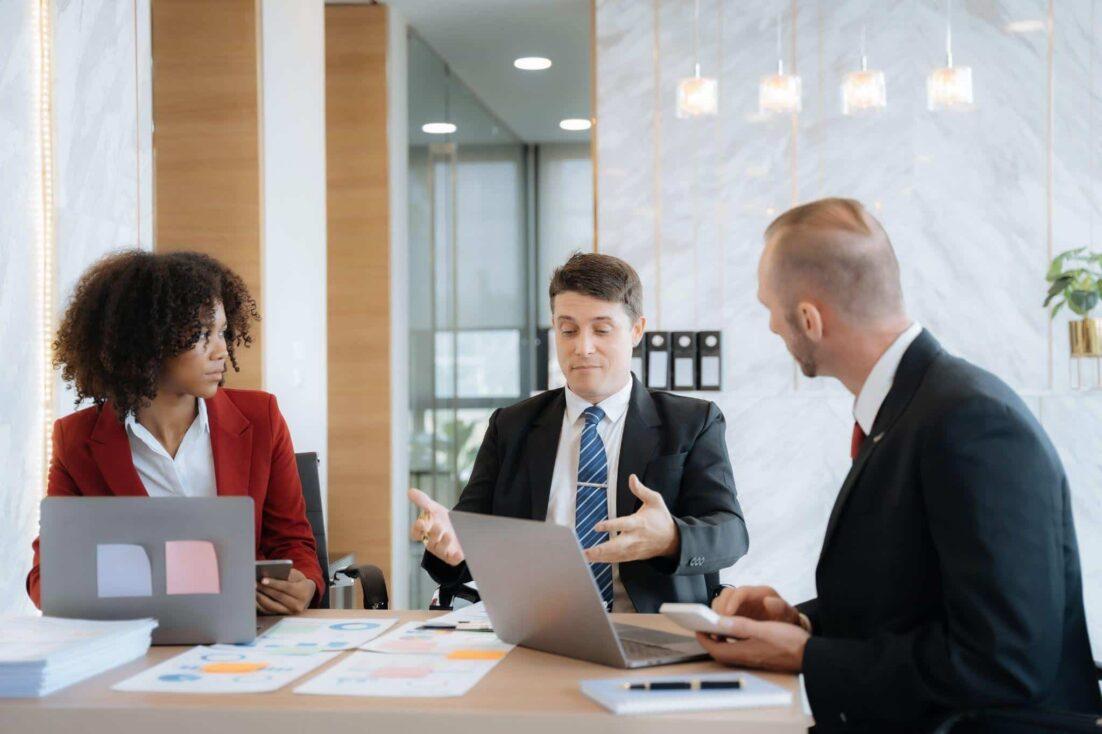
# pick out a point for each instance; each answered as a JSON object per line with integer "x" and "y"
{"x": 753, "y": 693}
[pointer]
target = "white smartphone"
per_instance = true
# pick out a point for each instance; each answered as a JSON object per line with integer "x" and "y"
{"x": 277, "y": 569}
{"x": 695, "y": 617}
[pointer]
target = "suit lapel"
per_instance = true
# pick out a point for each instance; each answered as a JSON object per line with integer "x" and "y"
{"x": 637, "y": 447}
{"x": 542, "y": 449}
{"x": 231, "y": 443}
{"x": 908, "y": 376}
{"x": 111, "y": 452}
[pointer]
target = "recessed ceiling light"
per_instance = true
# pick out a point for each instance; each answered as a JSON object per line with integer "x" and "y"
{"x": 1025, "y": 26}
{"x": 575, "y": 124}
{"x": 438, "y": 128}
{"x": 532, "y": 63}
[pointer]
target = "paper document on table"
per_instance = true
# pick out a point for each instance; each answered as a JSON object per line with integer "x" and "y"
{"x": 473, "y": 617}
{"x": 402, "y": 676}
{"x": 219, "y": 670}
{"x": 416, "y": 639}
{"x": 307, "y": 635}
{"x": 753, "y": 692}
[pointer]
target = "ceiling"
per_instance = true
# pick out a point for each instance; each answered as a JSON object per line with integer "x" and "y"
{"x": 479, "y": 40}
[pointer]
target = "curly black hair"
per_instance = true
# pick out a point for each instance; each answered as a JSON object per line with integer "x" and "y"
{"x": 133, "y": 310}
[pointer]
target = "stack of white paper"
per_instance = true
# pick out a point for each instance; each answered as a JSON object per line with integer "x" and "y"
{"x": 40, "y": 655}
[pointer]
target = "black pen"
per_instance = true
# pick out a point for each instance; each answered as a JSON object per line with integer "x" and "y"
{"x": 685, "y": 685}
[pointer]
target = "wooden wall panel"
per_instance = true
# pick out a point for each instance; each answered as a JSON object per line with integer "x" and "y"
{"x": 206, "y": 141}
{"x": 358, "y": 282}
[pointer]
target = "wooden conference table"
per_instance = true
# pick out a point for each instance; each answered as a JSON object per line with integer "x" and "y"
{"x": 528, "y": 691}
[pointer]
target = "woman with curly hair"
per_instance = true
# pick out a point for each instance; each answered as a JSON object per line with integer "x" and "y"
{"x": 147, "y": 337}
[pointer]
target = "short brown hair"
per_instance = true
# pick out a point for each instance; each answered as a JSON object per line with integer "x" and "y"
{"x": 601, "y": 276}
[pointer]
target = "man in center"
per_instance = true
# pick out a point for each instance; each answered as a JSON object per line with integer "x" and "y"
{"x": 642, "y": 476}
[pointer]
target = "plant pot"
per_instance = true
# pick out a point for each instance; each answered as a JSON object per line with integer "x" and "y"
{"x": 1086, "y": 337}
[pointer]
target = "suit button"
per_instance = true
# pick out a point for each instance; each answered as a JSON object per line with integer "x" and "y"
{"x": 842, "y": 716}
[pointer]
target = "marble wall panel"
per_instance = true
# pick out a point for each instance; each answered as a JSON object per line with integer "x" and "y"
{"x": 963, "y": 195}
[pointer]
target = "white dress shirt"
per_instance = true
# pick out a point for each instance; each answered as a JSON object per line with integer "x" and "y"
{"x": 190, "y": 474}
{"x": 564, "y": 481}
{"x": 880, "y": 379}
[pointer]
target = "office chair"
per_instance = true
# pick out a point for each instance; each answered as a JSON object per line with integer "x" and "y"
{"x": 370, "y": 577}
{"x": 1038, "y": 721}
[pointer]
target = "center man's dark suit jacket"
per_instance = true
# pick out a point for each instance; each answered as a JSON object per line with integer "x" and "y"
{"x": 673, "y": 443}
{"x": 949, "y": 576}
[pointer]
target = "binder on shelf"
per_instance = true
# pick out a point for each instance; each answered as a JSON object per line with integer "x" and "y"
{"x": 637, "y": 362}
{"x": 709, "y": 360}
{"x": 543, "y": 339}
{"x": 658, "y": 360}
{"x": 684, "y": 360}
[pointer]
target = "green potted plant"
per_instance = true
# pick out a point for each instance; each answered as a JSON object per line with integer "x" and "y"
{"x": 1075, "y": 280}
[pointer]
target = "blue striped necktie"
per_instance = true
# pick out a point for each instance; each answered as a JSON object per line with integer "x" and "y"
{"x": 592, "y": 500}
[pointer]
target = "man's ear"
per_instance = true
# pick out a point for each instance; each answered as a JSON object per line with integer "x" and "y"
{"x": 637, "y": 331}
{"x": 810, "y": 320}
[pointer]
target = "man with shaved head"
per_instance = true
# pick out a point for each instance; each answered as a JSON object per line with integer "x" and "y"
{"x": 949, "y": 576}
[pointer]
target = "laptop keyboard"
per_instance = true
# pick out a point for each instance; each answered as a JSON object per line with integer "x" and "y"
{"x": 642, "y": 651}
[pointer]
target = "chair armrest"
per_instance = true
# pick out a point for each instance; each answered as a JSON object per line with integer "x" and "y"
{"x": 373, "y": 584}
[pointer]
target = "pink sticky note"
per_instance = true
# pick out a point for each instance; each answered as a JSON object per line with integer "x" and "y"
{"x": 191, "y": 567}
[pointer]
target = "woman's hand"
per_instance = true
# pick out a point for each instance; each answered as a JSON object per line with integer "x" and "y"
{"x": 285, "y": 597}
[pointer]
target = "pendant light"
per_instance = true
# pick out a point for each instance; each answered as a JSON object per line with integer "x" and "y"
{"x": 697, "y": 96}
{"x": 950, "y": 87}
{"x": 779, "y": 93}
{"x": 863, "y": 90}
{"x": 444, "y": 126}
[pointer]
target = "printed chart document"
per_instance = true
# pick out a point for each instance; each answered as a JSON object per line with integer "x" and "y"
{"x": 754, "y": 692}
{"x": 220, "y": 670}
{"x": 305, "y": 635}
{"x": 473, "y": 617}
{"x": 414, "y": 638}
{"x": 402, "y": 676}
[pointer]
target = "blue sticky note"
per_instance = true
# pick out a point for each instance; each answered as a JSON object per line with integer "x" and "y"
{"x": 122, "y": 569}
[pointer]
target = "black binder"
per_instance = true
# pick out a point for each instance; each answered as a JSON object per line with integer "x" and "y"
{"x": 683, "y": 344}
{"x": 709, "y": 368}
{"x": 658, "y": 360}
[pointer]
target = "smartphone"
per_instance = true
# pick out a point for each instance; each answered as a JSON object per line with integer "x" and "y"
{"x": 274, "y": 570}
{"x": 695, "y": 617}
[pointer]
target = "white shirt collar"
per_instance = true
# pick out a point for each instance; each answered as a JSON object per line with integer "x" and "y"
{"x": 137, "y": 429}
{"x": 879, "y": 381}
{"x": 614, "y": 406}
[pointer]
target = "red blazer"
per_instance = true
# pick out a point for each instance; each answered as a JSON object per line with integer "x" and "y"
{"x": 252, "y": 456}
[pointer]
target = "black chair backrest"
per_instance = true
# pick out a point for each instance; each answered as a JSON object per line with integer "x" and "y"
{"x": 311, "y": 493}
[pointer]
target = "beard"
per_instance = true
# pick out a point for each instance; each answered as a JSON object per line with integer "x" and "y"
{"x": 802, "y": 349}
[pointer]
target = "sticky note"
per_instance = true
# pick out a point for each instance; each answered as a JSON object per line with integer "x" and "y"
{"x": 476, "y": 655}
{"x": 122, "y": 569}
{"x": 191, "y": 567}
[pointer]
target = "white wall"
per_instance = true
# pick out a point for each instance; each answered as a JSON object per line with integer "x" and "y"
{"x": 103, "y": 201}
{"x": 963, "y": 196}
{"x": 397, "y": 70}
{"x": 20, "y": 390}
{"x": 294, "y": 218}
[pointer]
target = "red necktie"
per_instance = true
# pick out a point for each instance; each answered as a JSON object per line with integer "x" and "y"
{"x": 858, "y": 438}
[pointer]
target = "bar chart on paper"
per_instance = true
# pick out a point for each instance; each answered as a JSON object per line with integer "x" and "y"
{"x": 413, "y": 638}
{"x": 220, "y": 670}
{"x": 403, "y": 676}
{"x": 302, "y": 636}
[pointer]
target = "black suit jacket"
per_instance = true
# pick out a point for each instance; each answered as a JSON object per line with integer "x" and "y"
{"x": 949, "y": 576}
{"x": 675, "y": 445}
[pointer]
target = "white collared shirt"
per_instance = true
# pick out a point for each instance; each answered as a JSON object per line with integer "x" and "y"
{"x": 564, "y": 481}
{"x": 189, "y": 474}
{"x": 879, "y": 382}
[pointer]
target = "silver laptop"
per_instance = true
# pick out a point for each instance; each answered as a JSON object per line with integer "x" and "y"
{"x": 540, "y": 593}
{"x": 95, "y": 553}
